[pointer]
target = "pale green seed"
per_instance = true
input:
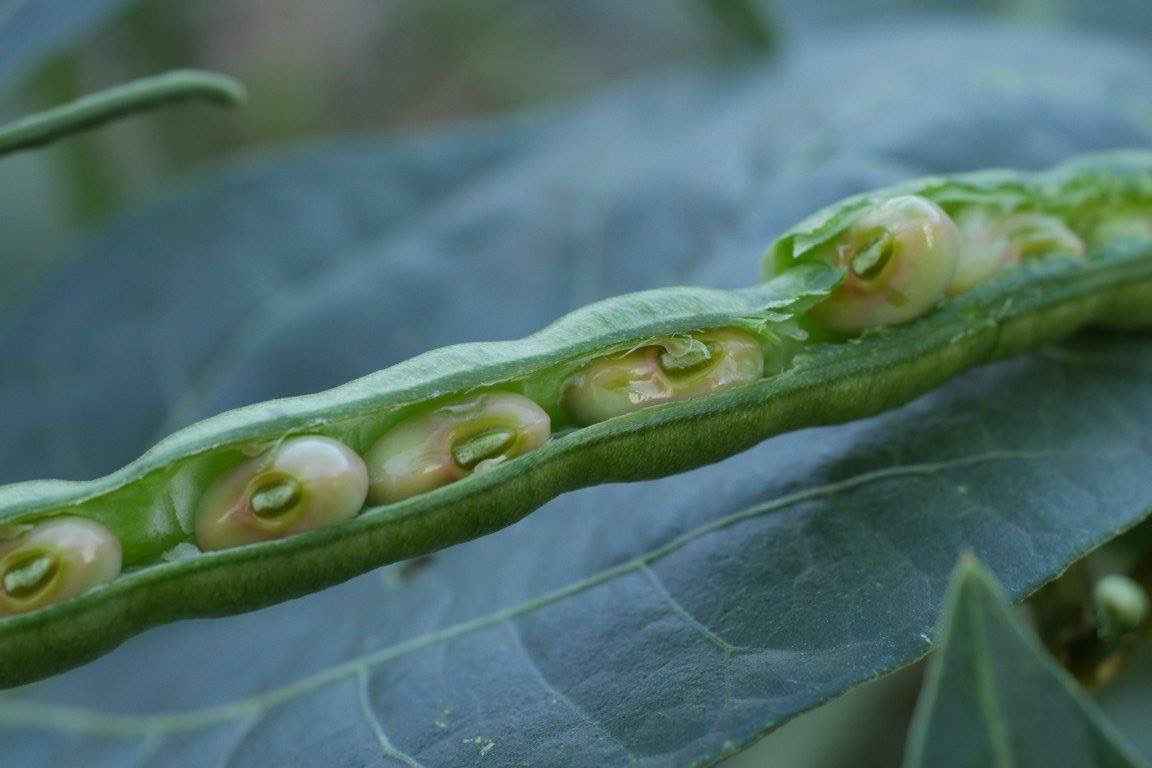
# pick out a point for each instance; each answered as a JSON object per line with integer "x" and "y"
{"x": 456, "y": 438}
{"x": 1121, "y": 606}
{"x": 899, "y": 258}
{"x": 302, "y": 484}
{"x": 665, "y": 371}
{"x": 55, "y": 560}
{"x": 471, "y": 452}
{"x": 994, "y": 241}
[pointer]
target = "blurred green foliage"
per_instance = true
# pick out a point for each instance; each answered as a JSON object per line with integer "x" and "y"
{"x": 389, "y": 66}
{"x": 340, "y": 67}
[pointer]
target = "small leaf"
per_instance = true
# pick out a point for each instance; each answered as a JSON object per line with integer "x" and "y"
{"x": 993, "y": 696}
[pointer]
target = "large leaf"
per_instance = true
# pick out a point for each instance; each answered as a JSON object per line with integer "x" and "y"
{"x": 32, "y": 30}
{"x": 994, "y": 698}
{"x": 668, "y": 622}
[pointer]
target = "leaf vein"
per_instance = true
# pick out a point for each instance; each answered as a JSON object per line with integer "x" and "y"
{"x": 679, "y": 609}
{"x": 564, "y": 698}
{"x": 386, "y": 746}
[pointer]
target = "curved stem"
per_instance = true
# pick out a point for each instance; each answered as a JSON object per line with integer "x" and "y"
{"x": 121, "y": 101}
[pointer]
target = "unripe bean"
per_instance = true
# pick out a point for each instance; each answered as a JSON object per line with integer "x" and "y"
{"x": 470, "y": 434}
{"x": 301, "y": 484}
{"x": 898, "y": 257}
{"x": 57, "y": 559}
{"x": 1121, "y": 606}
{"x": 993, "y": 242}
{"x": 663, "y": 372}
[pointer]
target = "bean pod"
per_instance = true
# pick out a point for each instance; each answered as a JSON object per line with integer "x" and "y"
{"x": 885, "y": 295}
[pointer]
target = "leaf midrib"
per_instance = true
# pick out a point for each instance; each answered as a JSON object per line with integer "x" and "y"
{"x": 990, "y": 710}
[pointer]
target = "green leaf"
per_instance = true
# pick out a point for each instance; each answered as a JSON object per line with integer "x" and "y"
{"x": 33, "y": 30}
{"x": 672, "y": 621}
{"x": 994, "y": 698}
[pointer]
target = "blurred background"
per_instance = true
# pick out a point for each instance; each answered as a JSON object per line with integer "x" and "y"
{"x": 392, "y": 67}
{"x": 403, "y": 67}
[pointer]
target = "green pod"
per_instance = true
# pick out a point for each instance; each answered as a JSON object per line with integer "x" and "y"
{"x": 150, "y": 505}
{"x": 1083, "y": 194}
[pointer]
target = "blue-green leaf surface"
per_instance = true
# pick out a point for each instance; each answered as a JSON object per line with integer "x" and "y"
{"x": 656, "y": 624}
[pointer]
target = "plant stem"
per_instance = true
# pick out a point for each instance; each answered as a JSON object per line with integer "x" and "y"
{"x": 114, "y": 103}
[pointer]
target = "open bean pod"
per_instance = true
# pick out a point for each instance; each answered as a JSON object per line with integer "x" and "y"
{"x": 868, "y": 304}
